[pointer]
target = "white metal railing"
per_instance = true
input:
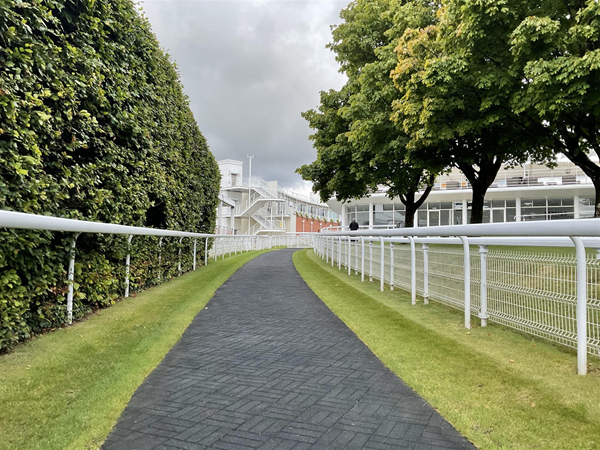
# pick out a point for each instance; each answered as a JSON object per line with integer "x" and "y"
{"x": 220, "y": 229}
{"x": 492, "y": 271}
{"x": 516, "y": 178}
{"x": 552, "y": 216}
{"x": 223, "y": 244}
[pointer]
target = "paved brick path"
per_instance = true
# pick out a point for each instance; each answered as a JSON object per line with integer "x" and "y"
{"x": 268, "y": 366}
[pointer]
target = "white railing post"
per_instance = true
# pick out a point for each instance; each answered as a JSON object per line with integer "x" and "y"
{"x": 332, "y": 249}
{"x": 371, "y": 261}
{"x": 195, "y": 253}
{"x": 160, "y": 258}
{"x": 467, "y": 270}
{"x": 339, "y": 253}
{"x": 215, "y": 248}
{"x": 71, "y": 279}
{"x": 483, "y": 253}
{"x": 356, "y": 257}
{"x": 382, "y": 262}
{"x": 127, "y": 261}
{"x": 348, "y": 257}
{"x": 362, "y": 259}
{"x": 413, "y": 271}
{"x": 206, "y": 252}
{"x": 179, "y": 257}
{"x": 581, "y": 306}
{"x": 326, "y": 250}
{"x": 391, "y": 266}
{"x": 425, "y": 274}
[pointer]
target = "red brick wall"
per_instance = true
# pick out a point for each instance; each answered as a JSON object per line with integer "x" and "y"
{"x": 316, "y": 227}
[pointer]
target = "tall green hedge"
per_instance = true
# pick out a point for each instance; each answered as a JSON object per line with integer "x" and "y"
{"x": 93, "y": 125}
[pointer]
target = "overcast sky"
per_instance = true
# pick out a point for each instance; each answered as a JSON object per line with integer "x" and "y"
{"x": 250, "y": 68}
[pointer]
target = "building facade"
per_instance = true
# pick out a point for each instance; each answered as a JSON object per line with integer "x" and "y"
{"x": 255, "y": 206}
{"x": 523, "y": 193}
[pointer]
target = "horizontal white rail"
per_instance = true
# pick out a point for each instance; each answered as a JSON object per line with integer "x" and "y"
{"x": 568, "y": 227}
{"x": 491, "y": 271}
{"x": 223, "y": 244}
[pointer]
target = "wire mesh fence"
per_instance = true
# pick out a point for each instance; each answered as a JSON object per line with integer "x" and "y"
{"x": 533, "y": 290}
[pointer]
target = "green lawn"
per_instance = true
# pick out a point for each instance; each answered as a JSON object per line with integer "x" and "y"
{"x": 66, "y": 389}
{"x": 499, "y": 388}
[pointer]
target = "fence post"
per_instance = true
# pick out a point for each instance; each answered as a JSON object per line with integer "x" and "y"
{"x": 349, "y": 257}
{"x": 179, "y": 257}
{"x": 127, "y": 261}
{"x": 391, "y": 266}
{"x": 206, "y": 252}
{"x": 326, "y": 250}
{"x": 160, "y": 258}
{"x": 371, "y": 261}
{"x": 483, "y": 252}
{"x": 581, "y": 306}
{"x": 413, "y": 271}
{"x": 425, "y": 274}
{"x": 195, "y": 253}
{"x": 467, "y": 269}
{"x": 362, "y": 259}
{"x": 71, "y": 278}
{"x": 215, "y": 248}
{"x": 382, "y": 271}
{"x": 339, "y": 253}
{"x": 332, "y": 249}
{"x": 230, "y": 242}
{"x": 356, "y": 257}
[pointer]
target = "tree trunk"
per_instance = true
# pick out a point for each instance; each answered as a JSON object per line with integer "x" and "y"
{"x": 477, "y": 200}
{"x": 409, "y": 216}
{"x": 596, "y": 182}
{"x": 480, "y": 182}
{"x": 408, "y": 199}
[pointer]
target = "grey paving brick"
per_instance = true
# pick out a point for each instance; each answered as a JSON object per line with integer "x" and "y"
{"x": 268, "y": 366}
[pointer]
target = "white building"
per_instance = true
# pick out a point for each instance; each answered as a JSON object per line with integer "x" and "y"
{"x": 529, "y": 192}
{"x": 265, "y": 207}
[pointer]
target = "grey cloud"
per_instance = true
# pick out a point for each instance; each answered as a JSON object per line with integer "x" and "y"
{"x": 250, "y": 68}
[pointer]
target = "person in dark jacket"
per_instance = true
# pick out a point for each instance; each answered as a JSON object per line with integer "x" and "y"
{"x": 353, "y": 225}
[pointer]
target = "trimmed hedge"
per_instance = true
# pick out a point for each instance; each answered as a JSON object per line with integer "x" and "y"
{"x": 93, "y": 125}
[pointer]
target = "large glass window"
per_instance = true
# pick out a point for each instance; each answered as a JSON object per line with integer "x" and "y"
{"x": 422, "y": 218}
{"x": 533, "y": 209}
{"x": 457, "y": 213}
{"x": 586, "y": 207}
{"x": 383, "y": 215}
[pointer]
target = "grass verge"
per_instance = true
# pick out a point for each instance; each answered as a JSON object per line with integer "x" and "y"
{"x": 499, "y": 388}
{"x": 66, "y": 389}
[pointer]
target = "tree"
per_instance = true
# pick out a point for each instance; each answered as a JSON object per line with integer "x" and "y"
{"x": 370, "y": 150}
{"x": 457, "y": 80}
{"x": 559, "y": 50}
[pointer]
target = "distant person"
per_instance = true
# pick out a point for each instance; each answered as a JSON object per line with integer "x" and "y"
{"x": 353, "y": 225}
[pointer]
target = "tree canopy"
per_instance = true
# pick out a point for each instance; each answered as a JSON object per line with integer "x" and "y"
{"x": 374, "y": 147}
{"x": 470, "y": 84}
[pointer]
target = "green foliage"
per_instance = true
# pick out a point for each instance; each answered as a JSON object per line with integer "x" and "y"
{"x": 94, "y": 125}
{"x": 369, "y": 149}
{"x": 559, "y": 49}
{"x": 478, "y": 84}
{"x": 457, "y": 78}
